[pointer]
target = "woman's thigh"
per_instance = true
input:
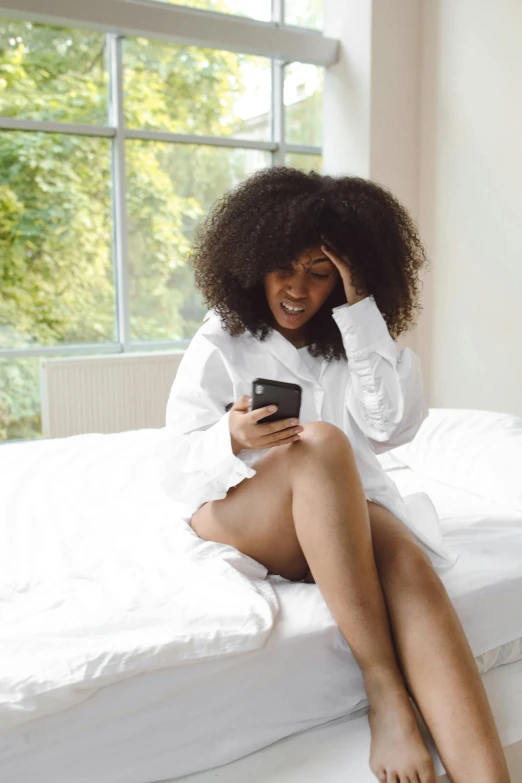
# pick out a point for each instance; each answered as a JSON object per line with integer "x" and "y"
{"x": 256, "y": 517}
{"x": 390, "y": 539}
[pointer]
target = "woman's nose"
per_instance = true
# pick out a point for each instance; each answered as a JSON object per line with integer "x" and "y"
{"x": 298, "y": 282}
{"x": 298, "y": 290}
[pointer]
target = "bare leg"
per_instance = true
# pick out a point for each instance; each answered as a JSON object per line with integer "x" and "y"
{"x": 435, "y": 657}
{"x": 341, "y": 560}
{"x": 315, "y": 506}
{"x": 433, "y": 653}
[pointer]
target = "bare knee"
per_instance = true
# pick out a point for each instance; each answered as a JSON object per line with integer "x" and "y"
{"x": 267, "y": 500}
{"x": 323, "y": 432}
{"x": 315, "y": 434}
{"x": 322, "y": 440}
{"x": 406, "y": 560}
{"x": 396, "y": 549}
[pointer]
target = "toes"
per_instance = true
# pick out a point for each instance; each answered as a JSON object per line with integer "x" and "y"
{"x": 426, "y": 773}
{"x": 394, "y": 777}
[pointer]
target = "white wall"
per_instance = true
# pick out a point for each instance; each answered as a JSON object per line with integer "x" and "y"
{"x": 371, "y": 101}
{"x": 427, "y": 99}
{"x": 347, "y": 89}
{"x": 470, "y": 334}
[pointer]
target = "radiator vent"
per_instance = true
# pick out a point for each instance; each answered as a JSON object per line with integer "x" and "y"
{"x": 105, "y": 393}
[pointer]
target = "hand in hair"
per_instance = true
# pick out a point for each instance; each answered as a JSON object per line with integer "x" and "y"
{"x": 343, "y": 265}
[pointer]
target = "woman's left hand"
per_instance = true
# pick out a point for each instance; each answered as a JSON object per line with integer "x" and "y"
{"x": 352, "y": 297}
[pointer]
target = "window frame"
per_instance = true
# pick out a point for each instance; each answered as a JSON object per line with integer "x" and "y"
{"x": 273, "y": 39}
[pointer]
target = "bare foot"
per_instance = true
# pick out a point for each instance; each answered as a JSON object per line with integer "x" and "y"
{"x": 397, "y": 751}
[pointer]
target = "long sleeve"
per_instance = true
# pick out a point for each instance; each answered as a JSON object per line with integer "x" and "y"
{"x": 202, "y": 465}
{"x": 385, "y": 393}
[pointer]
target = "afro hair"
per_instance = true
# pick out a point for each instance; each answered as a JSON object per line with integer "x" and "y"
{"x": 265, "y": 222}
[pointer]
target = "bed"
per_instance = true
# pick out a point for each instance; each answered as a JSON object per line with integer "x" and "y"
{"x": 133, "y": 652}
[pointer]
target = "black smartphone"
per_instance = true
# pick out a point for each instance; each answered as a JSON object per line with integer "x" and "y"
{"x": 287, "y": 396}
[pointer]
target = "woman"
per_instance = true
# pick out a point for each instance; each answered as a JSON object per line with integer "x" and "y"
{"x": 310, "y": 279}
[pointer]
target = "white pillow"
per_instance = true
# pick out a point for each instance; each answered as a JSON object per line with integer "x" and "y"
{"x": 475, "y": 450}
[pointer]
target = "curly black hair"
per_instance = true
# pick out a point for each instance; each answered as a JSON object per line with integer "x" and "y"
{"x": 265, "y": 222}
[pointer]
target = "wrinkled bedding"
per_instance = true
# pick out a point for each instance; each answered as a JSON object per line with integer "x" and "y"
{"x": 102, "y": 579}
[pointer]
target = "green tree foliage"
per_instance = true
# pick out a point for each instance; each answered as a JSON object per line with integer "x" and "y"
{"x": 305, "y": 13}
{"x": 56, "y": 211}
{"x": 56, "y": 263}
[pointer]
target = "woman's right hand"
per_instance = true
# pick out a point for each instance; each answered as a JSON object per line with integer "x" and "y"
{"x": 247, "y": 434}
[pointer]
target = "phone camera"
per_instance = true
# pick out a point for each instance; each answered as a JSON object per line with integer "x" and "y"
{"x": 259, "y": 389}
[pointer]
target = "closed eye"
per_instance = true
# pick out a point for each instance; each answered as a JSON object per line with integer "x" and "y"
{"x": 287, "y": 272}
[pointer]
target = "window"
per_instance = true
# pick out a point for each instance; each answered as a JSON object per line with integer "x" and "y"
{"x": 305, "y": 13}
{"x": 112, "y": 149}
{"x": 255, "y": 9}
{"x": 303, "y": 91}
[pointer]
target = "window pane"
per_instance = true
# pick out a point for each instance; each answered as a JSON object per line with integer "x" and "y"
{"x": 303, "y": 94}
{"x": 305, "y": 13}
{"x": 186, "y": 89}
{"x": 56, "y": 276}
{"x": 170, "y": 189}
{"x": 304, "y": 162}
{"x": 255, "y": 9}
{"x": 52, "y": 73}
{"x": 20, "y": 399}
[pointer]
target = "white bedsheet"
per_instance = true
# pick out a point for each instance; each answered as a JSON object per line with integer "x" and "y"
{"x": 177, "y": 720}
{"x": 99, "y": 578}
{"x": 338, "y": 751}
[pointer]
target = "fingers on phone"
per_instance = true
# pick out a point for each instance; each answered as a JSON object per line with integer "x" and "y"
{"x": 280, "y": 437}
{"x": 284, "y": 441}
{"x": 282, "y": 428}
{"x": 260, "y": 413}
{"x": 287, "y": 424}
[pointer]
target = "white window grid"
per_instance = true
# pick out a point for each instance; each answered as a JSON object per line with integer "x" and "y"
{"x": 117, "y": 131}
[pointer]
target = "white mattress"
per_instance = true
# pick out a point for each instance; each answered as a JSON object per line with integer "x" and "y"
{"x": 174, "y": 721}
{"x": 338, "y": 752}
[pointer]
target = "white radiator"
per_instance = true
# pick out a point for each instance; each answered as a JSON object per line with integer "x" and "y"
{"x": 105, "y": 393}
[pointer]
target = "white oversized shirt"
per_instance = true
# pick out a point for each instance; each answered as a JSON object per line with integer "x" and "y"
{"x": 375, "y": 398}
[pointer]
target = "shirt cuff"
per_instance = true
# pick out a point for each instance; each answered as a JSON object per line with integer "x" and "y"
{"x": 213, "y": 447}
{"x": 202, "y": 466}
{"x": 361, "y": 325}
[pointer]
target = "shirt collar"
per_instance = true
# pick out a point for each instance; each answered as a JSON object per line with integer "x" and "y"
{"x": 282, "y": 350}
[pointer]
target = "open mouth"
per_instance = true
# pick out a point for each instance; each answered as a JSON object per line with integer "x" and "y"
{"x": 291, "y": 312}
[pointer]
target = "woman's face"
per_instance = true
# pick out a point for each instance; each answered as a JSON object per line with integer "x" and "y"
{"x": 305, "y": 288}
